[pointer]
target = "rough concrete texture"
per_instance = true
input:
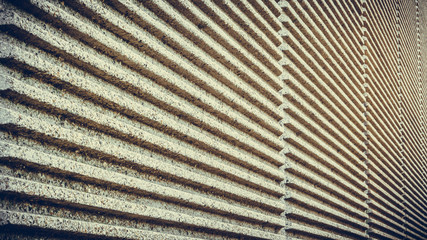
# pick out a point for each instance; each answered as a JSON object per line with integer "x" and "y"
{"x": 213, "y": 119}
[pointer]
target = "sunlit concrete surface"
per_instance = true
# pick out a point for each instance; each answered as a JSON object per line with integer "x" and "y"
{"x": 213, "y": 119}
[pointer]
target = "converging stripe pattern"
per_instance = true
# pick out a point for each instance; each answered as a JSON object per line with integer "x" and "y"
{"x": 150, "y": 119}
{"x": 213, "y": 119}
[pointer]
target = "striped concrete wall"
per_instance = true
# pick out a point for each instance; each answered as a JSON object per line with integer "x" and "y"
{"x": 213, "y": 119}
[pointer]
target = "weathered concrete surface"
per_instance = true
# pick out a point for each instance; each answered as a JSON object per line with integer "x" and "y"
{"x": 212, "y": 119}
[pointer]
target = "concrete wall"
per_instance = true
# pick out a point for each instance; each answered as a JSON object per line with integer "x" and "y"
{"x": 213, "y": 119}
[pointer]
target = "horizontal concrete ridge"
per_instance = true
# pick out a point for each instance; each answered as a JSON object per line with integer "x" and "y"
{"x": 213, "y": 119}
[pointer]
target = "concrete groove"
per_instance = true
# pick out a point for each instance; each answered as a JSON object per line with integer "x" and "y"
{"x": 56, "y": 100}
{"x": 270, "y": 172}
